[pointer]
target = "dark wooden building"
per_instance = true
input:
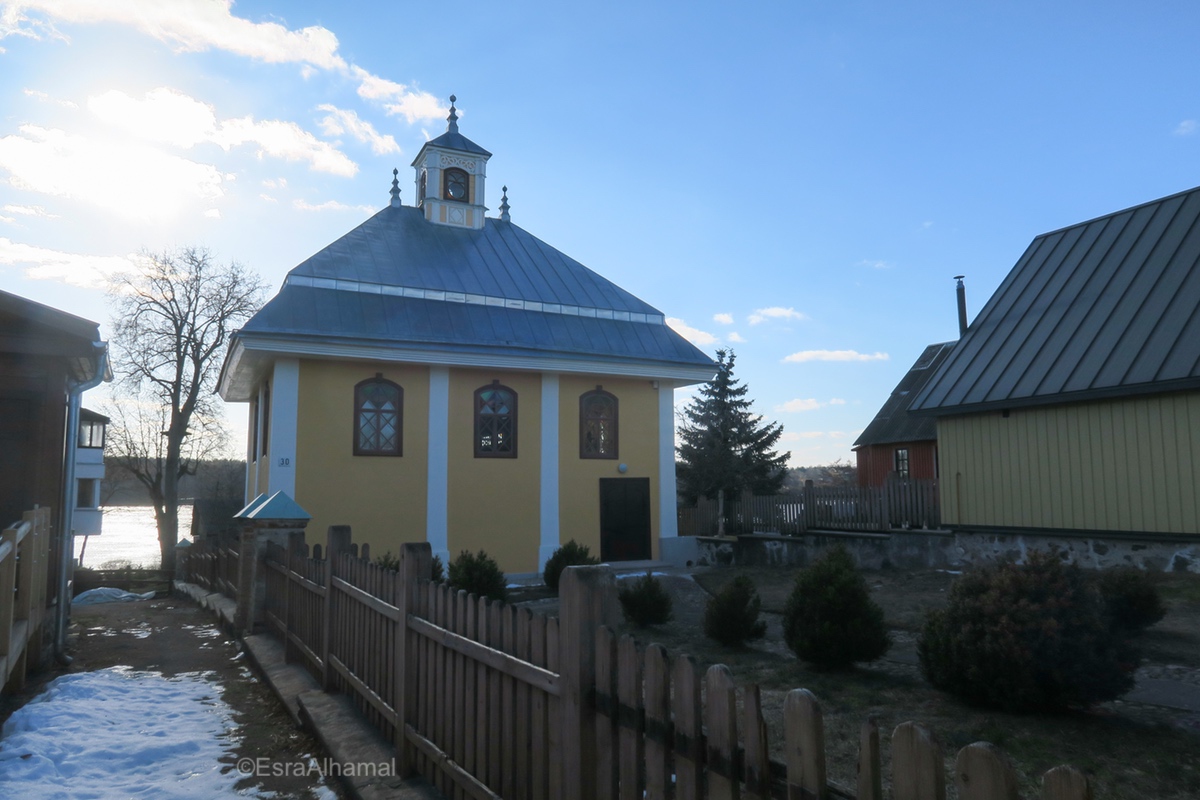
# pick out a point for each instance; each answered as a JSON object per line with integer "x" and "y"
{"x": 46, "y": 355}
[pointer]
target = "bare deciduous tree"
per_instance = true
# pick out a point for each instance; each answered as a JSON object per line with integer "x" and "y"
{"x": 172, "y": 320}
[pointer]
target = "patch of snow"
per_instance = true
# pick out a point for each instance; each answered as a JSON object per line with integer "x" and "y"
{"x": 107, "y": 594}
{"x": 121, "y": 733}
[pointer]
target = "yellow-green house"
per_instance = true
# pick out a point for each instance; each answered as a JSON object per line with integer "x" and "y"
{"x": 1072, "y": 403}
{"x": 440, "y": 375}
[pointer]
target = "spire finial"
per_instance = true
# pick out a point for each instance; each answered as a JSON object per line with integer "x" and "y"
{"x": 453, "y": 118}
{"x": 504, "y": 204}
{"x": 395, "y": 188}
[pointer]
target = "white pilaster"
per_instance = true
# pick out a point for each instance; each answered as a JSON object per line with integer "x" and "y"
{"x": 548, "y": 507}
{"x": 668, "y": 520}
{"x": 437, "y": 492}
{"x": 285, "y": 403}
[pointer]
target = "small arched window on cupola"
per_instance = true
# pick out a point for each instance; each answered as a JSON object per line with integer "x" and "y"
{"x": 378, "y": 417}
{"x": 456, "y": 185}
{"x": 597, "y": 424}
{"x": 495, "y": 421}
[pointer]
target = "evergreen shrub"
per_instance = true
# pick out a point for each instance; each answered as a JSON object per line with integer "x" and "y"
{"x": 571, "y": 554}
{"x": 437, "y": 572}
{"x": 478, "y": 574}
{"x": 645, "y": 601}
{"x": 830, "y": 620}
{"x": 1131, "y": 599}
{"x": 1026, "y": 637}
{"x": 731, "y": 617}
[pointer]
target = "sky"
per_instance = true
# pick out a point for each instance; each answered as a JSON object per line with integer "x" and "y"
{"x": 796, "y": 181}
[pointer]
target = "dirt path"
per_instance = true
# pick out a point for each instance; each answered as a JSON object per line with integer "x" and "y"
{"x": 171, "y": 636}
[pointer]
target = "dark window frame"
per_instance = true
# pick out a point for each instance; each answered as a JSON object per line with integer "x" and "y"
{"x": 466, "y": 182}
{"x": 477, "y": 413}
{"x": 359, "y": 401}
{"x": 584, "y": 418}
{"x": 901, "y": 462}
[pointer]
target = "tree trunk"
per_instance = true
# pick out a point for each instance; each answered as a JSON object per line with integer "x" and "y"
{"x": 168, "y": 521}
{"x": 720, "y": 512}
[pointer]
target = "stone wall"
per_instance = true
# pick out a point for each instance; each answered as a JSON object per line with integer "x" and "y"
{"x": 943, "y": 550}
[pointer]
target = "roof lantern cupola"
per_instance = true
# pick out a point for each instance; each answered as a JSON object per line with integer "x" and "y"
{"x": 450, "y": 172}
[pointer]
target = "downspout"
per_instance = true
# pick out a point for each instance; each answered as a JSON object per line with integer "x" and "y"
{"x": 62, "y": 608}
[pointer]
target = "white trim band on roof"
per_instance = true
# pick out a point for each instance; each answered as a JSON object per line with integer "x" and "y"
{"x": 473, "y": 299}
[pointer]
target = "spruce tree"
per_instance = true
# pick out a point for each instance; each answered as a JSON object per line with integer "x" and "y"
{"x": 724, "y": 448}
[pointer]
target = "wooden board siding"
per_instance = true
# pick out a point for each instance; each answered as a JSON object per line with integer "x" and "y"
{"x": 876, "y": 462}
{"x": 1119, "y": 465}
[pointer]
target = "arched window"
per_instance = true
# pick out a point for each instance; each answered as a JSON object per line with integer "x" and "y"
{"x": 597, "y": 424}
{"x": 378, "y": 417}
{"x": 495, "y": 422}
{"x": 456, "y": 185}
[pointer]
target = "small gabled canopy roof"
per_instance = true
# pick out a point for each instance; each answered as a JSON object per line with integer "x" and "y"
{"x": 893, "y": 424}
{"x": 1106, "y": 308}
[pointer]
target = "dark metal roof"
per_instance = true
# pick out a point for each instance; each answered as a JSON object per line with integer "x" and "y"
{"x": 398, "y": 248}
{"x": 327, "y": 315}
{"x": 454, "y": 140}
{"x": 893, "y": 423}
{"x": 439, "y": 294}
{"x": 1105, "y": 308}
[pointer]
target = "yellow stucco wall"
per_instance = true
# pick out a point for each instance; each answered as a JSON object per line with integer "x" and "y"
{"x": 493, "y": 503}
{"x": 382, "y": 498}
{"x": 1127, "y": 465}
{"x": 637, "y": 446}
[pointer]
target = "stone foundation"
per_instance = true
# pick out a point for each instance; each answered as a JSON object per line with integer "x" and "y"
{"x": 946, "y": 549}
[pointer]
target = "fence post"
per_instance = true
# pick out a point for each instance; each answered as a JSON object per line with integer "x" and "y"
{"x": 981, "y": 772}
{"x": 1065, "y": 783}
{"x": 581, "y": 599}
{"x": 337, "y": 542}
{"x": 247, "y": 562}
{"x": 416, "y": 560}
{"x": 804, "y": 733}
{"x": 918, "y": 769}
{"x": 810, "y": 512}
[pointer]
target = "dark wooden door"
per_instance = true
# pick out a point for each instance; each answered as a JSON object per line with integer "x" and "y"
{"x": 624, "y": 519}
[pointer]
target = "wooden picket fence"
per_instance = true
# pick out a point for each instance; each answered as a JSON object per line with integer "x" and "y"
{"x": 490, "y": 701}
{"x": 900, "y": 504}
{"x": 24, "y": 573}
{"x": 212, "y": 564}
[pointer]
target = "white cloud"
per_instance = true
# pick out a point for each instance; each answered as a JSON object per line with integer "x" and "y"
{"x": 268, "y": 198}
{"x": 163, "y": 115}
{"x": 833, "y": 355}
{"x": 166, "y": 115}
{"x": 775, "y": 312}
{"x": 275, "y": 183}
{"x": 796, "y": 436}
{"x": 332, "y": 205}
{"x": 338, "y": 121}
{"x": 398, "y": 99}
{"x": 213, "y": 213}
{"x": 285, "y": 140}
{"x": 693, "y": 335}
{"x": 735, "y": 337}
{"x": 42, "y": 96}
{"x": 30, "y": 211}
{"x": 187, "y": 25}
{"x": 874, "y": 264}
{"x": 808, "y": 404}
{"x": 1187, "y": 127}
{"x": 73, "y": 268}
{"x": 130, "y": 179}
{"x": 723, "y": 319}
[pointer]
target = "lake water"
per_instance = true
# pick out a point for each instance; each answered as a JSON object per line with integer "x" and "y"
{"x": 128, "y": 534}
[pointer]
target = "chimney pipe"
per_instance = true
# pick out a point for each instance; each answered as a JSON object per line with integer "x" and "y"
{"x": 962, "y": 305}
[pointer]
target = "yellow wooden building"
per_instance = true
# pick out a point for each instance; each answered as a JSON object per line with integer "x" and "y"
{"x": 437, "y": 374}
{"x": 1072, "y": 402}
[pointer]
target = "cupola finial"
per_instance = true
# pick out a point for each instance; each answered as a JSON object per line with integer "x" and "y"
{"x": 453, "y": 118}
{"x": 504, "y": 204}
{"x": 395, "y": 188}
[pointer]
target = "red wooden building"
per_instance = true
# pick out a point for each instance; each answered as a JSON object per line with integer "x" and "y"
{"x": 897, "y": 444}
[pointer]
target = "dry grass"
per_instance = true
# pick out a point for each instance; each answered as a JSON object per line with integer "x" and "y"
{"x": 1130, "y": 751}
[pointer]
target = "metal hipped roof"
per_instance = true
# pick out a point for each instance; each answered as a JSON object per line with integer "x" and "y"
{"x": 398, "y": 248}
{"x": 1106, "y": 308}
{"x": 893, "y": 423}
